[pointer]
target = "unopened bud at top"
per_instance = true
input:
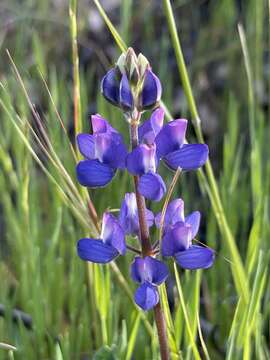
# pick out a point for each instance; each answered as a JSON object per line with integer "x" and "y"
{"x": 132, "y": 84}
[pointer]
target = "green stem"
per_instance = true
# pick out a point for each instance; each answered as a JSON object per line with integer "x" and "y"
{"x": 75, "y": 61}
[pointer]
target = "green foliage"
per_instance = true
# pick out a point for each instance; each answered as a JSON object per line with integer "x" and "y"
{"x": 82, "y": 310}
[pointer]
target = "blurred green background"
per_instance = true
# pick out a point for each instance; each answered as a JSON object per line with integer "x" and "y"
{"x": 72, "y": 311}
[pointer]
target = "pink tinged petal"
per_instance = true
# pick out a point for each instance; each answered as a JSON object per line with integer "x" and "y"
{"x": 93, "y": 173}
{"x": 176, "y": 239}
{"x": 126, "y": 97}
{"x": 150, "y": 128}
{"x": 151, "y": 92}
{"x": 149, "y": 269}
{"x": 86, "y": 145}
{"x": 101, "y": 125}
{"x": 102, "y": 146}
{"x": 146, "y": 296}
{"x": 110, "y": 149}
{"x": 189, "y": 157}
{"x": 150, "y": 218}
{"x": 141, "y": 160}
{"x": 138, "y": 271}
{"x": 195, "y": 257}
{"x": 174, "y": 214}
{"x": 96, "y": 251}
{"x": 152, "y": 186}
{"x": 112, "y": 233}
{"x": 128, "y": 216}
{"x": 110, "y": 87}
{"x": 193, "y": 220}
{"x": 171, "y": 137}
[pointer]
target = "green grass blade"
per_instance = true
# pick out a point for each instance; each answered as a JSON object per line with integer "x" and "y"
{"x": 185, "y": 312}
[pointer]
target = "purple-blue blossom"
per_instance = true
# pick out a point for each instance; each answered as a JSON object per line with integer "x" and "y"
{"x": 143, "y": 161}
{"x": 171, "y": 147}
{"x": 149, "y": 273}
{"x": 104, "y": 152}
{"x": 132, "y": 83}
{"x": 128, "y": 216}
{"x": 110, "y": 244}
{"x": 178, "y": 233}
{"x": 165, "y": 143}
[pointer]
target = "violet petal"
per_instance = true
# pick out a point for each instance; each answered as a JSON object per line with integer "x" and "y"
{"x": 86, "y": 145}
{"x": 149, "y": 269}
{"x": 174, "y": 213}
{"x": 176, "y": 239}
{"x": 96, "y": 251}
{"x": 151, "y": 127}
{"x": 193, "y": 220}
{"x": 146, "y": 296}
{"x": 126, "y": 97}
{"x": 151, "y": 92}
{"x": 112, "y": 233}
{"x": 189, "y": 157}
{"x": 152, "y": 186}
{"x": 110, "y": 87}
{"x": 93, "y": 173}
{"x": 171, "y": 137}
{"x": 195, "y": 257}
{"x": 141, "y": 160}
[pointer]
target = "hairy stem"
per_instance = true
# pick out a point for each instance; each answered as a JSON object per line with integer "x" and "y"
{"x": 144, "y": 232}
{"x": 147, "y": 248}
{"x": 162, "y": 333}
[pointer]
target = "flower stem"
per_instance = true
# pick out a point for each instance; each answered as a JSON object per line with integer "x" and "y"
{"x": 162, "y": 334}
{"x": 147, "y": 248}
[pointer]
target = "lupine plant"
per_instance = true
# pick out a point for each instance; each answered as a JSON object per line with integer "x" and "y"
{"x": 133, "y": 87}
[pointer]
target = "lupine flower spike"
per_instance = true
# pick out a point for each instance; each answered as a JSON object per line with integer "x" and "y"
{"x": 132, "y": 86}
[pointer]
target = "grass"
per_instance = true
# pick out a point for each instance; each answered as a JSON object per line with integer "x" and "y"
{"x": 77, "y": 310}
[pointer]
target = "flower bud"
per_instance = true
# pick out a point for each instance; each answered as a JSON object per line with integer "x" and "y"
{"x": 131, "y": 83}
{"x": 125, "y": 94}
{"x": 131, "y": 66}
{"x": 143, "y": 64}
{"x": 110, "y": 86}
{"x": 150, "y": 95}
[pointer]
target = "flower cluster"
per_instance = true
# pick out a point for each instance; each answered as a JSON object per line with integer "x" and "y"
{"x": 133, "y": 86}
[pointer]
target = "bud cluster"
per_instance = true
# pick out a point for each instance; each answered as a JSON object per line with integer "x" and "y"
{"x": 131, "y": 84}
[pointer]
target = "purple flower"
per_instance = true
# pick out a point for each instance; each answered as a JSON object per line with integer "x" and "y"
{"x": 177, "y": 237}
{"x": 166, "y": 143}
{"x": 151, "y": 91}
{"x": 116, "y": 88}
{"x": 172, "y": 150}
{"x": 150, "y": 273}
{"x": 128, "y": 217}
{"x": 108, "y": 247}
{"x": 143, "y": 160}
{"x": 151, "y": 127}
{"x": 104, "y": 153}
